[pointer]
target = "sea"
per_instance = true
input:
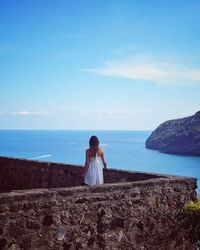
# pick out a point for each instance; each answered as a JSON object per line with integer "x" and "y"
{"x": 123, "y": 150}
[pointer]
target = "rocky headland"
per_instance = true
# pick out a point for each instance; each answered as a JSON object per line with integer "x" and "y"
{"x": 178, "y": 136}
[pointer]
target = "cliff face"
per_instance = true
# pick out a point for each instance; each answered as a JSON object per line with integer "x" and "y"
{"x": 179, "y": 136}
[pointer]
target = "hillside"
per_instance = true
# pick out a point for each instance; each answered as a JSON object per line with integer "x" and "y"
{"x": 178, "y": 136}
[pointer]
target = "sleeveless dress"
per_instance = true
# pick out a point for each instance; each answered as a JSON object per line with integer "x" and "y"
{"x": 94, "y": 175}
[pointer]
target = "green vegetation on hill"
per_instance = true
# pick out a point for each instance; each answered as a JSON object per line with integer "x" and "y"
{"x": 189, "y": 217}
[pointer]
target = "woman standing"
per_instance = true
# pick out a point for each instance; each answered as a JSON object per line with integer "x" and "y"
{"x": 95, "y": 161}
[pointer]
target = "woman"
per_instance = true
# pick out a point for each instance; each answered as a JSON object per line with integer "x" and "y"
{"x": 93, "y": 170}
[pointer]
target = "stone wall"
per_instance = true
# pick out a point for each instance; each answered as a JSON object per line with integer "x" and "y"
{"x": 27, "y": 174}
{"x": 124, "y": 215}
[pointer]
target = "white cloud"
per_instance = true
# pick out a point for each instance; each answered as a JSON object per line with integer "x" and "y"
{"x": 21, "y": 113}
{"x": 159, "y": 70}
{"x": 28, "y": 113}
{"x": 40, "y": 113}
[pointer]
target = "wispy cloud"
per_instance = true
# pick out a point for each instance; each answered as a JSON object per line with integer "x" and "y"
{"x": 40, "y": 113}
{"x": 159, "y": 70}
{"x": 28, "y": 113}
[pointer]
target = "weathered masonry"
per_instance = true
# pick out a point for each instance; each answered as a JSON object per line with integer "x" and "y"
{"x": 45, "y": 206}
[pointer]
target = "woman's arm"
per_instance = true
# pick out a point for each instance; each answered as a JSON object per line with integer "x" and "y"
{"x": 87, "y": 159}
{"x": 103, "y": 159}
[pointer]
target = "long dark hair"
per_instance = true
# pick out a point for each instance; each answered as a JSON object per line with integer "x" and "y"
{"x": 94, "y": 145}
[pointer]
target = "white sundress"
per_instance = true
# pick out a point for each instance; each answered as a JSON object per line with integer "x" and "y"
{"x": 94, "y": 175}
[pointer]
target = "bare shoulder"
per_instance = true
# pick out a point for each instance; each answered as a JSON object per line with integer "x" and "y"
{"x": 100, "y": 152}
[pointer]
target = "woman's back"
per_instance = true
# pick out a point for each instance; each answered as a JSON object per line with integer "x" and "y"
{"x": 94, "y": 175}
{"x": 93, "y": 171}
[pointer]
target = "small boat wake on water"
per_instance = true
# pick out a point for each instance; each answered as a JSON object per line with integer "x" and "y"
{"x": 40, "y": 157}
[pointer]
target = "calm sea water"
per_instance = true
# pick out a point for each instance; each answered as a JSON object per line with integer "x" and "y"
{"x": 123, "y": 150}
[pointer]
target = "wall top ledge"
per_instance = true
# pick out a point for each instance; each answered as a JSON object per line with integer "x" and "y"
{"x": 32, "y": 194}
{"x": 117, "y": 180}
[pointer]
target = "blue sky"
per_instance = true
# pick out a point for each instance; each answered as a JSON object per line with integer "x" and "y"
{"x": 102, "y": 64}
